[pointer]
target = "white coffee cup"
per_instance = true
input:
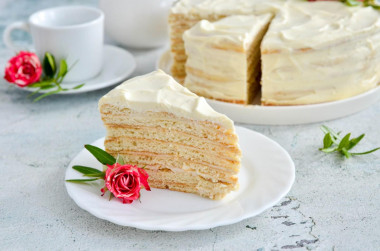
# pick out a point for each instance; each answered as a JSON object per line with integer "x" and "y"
{"x": 73, "y": 33}
{"x": 137, "y": 23}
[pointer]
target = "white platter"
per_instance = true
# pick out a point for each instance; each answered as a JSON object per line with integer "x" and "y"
{"x": 286, "y": 115}
{"x": 266, "y": 176}
{"x": 117, "y": 66}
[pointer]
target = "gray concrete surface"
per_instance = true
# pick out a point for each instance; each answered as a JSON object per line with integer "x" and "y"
{"x": 333, "y": 205}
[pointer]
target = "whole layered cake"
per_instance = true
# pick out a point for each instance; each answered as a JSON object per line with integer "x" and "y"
{"x": 312, "y": 52}
{"x": 183, "y": 144}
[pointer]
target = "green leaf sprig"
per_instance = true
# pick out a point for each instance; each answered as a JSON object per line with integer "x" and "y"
{"x": 95, "y": 174}
{"x": 52, "y": 78}
{"x": 373, "y": 3}
{"x": 333, "y": 142}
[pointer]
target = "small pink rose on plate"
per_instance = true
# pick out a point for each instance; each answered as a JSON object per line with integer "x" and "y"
{"x": 124, "y": 181}
{"x": 23, "y": 69}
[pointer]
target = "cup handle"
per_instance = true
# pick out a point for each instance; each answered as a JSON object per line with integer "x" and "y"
{"x": 7, "y": 34}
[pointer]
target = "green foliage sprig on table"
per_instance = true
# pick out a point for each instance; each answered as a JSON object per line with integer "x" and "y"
{"x": 333, "y": 142}
{"x": 53, "y": 77}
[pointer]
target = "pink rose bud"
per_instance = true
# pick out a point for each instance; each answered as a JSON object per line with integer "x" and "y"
{"x": 125, "y": 181}
{"x": 23, "y": 69}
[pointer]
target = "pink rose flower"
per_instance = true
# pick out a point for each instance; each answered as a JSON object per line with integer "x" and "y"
{"x": 125, "y": 181}
{"x": 23, "y": 69}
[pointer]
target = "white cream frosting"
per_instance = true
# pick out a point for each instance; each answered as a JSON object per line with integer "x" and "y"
{"x": 226, "y": 7}
{"x": 220, "y": 49}
{"x": 239, "y": 30}
{"x": 159, "y": 92}
{"x": 320, "y": 51}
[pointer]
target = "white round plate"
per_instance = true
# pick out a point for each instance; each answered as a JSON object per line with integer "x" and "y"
{"x": 286, "y": 115}
{"x": 266, "y": 175}
{"x": 117, "y": 66}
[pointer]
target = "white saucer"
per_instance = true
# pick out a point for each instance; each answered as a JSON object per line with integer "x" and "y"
{"x": 117, "y": 66}
{"x": 266, "y": 176}
{"x": 286, "y": 115}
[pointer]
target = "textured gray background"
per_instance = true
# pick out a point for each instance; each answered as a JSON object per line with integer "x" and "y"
{"x": 333, "y": 205}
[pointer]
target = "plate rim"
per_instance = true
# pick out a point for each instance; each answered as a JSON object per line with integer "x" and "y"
{"x": 275, "y": 200}
{"x": 104, "y": 84}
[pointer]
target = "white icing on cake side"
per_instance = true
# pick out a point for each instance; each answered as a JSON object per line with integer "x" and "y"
{"x": 159, "y": 92}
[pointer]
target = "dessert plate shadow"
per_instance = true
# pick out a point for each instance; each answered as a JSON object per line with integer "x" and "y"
{"x": 118, "y": 64}
{"x": 285, "y": 115}
{"x": 266, "y": 176}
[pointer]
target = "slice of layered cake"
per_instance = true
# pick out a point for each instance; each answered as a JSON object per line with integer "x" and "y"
{"x": 184, "y": 145}
{"x": 223, "y": 58}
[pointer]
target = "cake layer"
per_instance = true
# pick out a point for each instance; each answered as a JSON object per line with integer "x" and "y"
{"x": 185, "y": 182}
{"x": 169, "y": 136}
{"x": 160, "y": 161}
{"x": 204, "y": 129}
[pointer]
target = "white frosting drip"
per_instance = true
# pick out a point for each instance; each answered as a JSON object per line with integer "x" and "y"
{"x": 159, "y": 92}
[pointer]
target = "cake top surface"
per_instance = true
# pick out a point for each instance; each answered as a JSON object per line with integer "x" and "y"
{"x": 159, "y": 92}
{"x": 237, "y": 29}
{"x": 302, "y": 25}
{"x": 226, "y": 7}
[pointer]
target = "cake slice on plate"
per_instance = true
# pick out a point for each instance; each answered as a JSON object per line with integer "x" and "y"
{"x": 184, "y": 145}
{"x": 223, "y": 57}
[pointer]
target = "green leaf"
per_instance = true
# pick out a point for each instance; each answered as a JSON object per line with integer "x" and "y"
{"x": 355, "y": 141}
{"x": 41, "y": 84}
{"x": 45, "y": 95}
{"x": 101, "y": 155}
{"x": 335, "y": 136}
{"x": 98, "y": 175}
{"x": 352, "y": 2}
{"x": 48, "y": 65}
{"x": 81, "y": 180}
{"x": 344, "y": 142}
{"x": 46, "y": 87}
{"x": 370, "y": 151}
{"x": 329, "y": 150}
{"x": 62, "y": 69}
{"x": 346, "y": 153}
{"x": 86, "y": 170}
{"x": 327, "y": 141}
{"x": 120, "y": 160}
{"x": 34, "y": 93}
{"x": 77, "y": 87}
